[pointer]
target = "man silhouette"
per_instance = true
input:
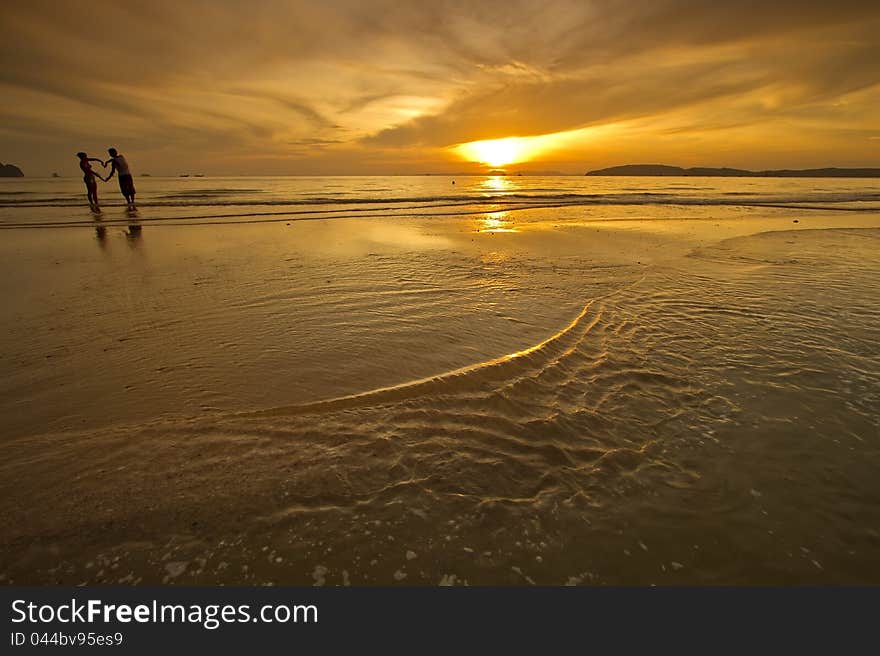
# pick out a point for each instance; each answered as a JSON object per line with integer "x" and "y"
{"x": 126, "y": 183}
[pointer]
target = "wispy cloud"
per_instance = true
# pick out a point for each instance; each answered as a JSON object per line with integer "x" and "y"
{"x": 388, "y": 86}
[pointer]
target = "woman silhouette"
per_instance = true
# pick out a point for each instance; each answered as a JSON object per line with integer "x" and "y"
{"x": 89, "y": 179}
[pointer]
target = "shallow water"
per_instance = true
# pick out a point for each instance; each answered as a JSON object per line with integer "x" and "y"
{"x": 487, "y": 398}
{"x": 59, "y": 202}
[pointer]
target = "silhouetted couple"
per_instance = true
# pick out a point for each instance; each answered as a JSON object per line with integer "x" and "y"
{"x": 119, "y": 165}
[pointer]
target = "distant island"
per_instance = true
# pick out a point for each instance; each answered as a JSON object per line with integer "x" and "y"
{"x": 10, "y": 171}
{"x": 663, "y": 170}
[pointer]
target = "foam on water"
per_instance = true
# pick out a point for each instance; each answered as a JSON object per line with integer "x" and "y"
{"x": 173, "y": 201}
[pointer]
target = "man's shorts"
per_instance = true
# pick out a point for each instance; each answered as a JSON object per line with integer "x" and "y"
{"x": 126, "y": 185}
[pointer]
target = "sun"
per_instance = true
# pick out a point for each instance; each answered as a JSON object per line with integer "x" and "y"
{"x": 494, "y": 152}
{"x": 517, "y": 149}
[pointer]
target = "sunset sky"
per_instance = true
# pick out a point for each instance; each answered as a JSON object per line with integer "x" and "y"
{"x": 272, "y": 87}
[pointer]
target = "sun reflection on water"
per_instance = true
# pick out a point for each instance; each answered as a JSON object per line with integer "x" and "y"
{"x": 497, "y": 183}
{"x": 496, "y": 222}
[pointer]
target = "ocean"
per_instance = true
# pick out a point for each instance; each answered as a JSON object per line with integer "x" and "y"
{"x": 420, "y": 380}
{"x": 200, "y": 200}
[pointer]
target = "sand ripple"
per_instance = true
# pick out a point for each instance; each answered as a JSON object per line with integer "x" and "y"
{"x": 709, "y": 420}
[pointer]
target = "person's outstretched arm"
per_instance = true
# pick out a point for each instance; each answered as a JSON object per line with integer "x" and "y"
{"x": 112, "y": 170}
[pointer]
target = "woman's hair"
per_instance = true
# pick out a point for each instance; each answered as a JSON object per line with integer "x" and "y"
{"x": 80, "y": 155}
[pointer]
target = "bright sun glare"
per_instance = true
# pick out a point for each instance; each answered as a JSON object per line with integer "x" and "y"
{"x": 513, "y": 150}
{"x": 494, "y": 152}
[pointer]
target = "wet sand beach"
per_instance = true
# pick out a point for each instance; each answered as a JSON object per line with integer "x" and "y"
{"x": 507, "y": 386}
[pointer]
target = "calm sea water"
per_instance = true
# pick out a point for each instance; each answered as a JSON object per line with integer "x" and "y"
{"x": 60, "y": 202}
{"x": 402, "y": 380}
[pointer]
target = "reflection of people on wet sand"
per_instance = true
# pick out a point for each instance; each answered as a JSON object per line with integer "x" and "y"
{"x": 100, "y": 232}
{"x": 134, "y": 231}
{"x": 89, "y": 179}
{"x": 126, "y": 182}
